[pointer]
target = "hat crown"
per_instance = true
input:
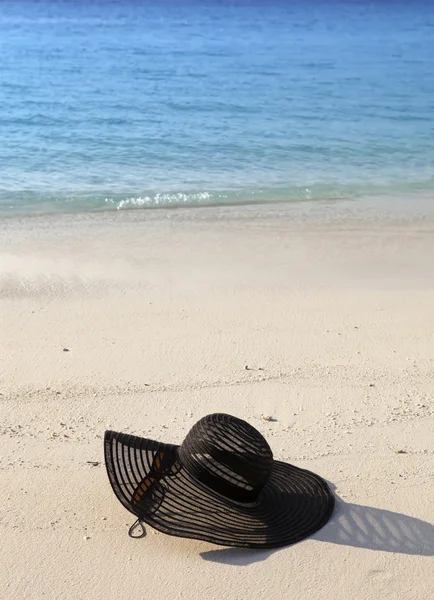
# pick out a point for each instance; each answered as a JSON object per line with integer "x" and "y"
{"x": 228, "y": 455}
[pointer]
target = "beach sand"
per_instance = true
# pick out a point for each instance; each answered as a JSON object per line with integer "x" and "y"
{"x": 144, "y": 322}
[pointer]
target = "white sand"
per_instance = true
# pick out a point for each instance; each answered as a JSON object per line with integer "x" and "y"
{"x": 161, "y": 313}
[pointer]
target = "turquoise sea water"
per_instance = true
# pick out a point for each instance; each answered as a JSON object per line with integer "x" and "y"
{"x": 140, "y": 103}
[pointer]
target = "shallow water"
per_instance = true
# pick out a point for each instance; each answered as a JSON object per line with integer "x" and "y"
{"x": 109, "y": 105}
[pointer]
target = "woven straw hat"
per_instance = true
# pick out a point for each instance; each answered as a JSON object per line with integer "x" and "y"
{"x": 221, "y": 485}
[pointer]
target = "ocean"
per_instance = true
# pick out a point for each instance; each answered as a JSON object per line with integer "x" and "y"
{"x": 135, "y": 104}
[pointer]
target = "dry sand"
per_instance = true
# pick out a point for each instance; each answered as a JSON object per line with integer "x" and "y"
{"x": 146, "y": 322}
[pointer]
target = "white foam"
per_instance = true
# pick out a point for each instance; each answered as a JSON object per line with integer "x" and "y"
{"x": 163, "y": 199}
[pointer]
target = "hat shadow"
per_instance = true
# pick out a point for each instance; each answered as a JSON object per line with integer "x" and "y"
{"x": 352, "y": 525}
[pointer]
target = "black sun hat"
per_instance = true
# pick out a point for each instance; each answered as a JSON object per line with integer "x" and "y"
{"x": 221, "y": 485}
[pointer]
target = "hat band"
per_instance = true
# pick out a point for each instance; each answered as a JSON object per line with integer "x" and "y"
{"x": 217, "y": 482}
{"x": 223, "y": 487}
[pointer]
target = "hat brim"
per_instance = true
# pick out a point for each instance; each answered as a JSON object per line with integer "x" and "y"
{"x": 149, "y": 480}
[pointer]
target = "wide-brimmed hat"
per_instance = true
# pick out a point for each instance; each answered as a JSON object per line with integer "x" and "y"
{"x": 221, "y": 485}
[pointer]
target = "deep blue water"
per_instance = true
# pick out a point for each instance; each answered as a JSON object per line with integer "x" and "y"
{"x": 109, "y": 104}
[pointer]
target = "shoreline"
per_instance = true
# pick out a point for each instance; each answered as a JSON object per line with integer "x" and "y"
{"x": 387, "y": 205}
